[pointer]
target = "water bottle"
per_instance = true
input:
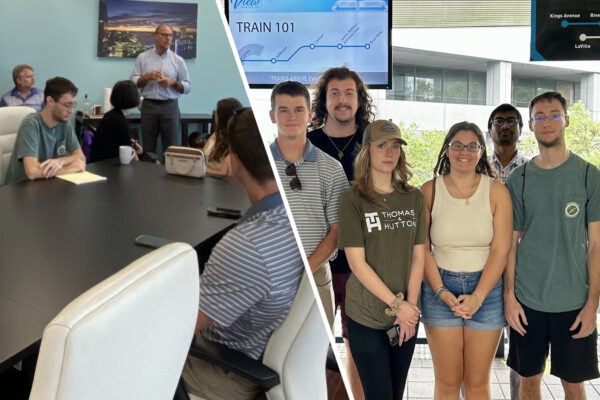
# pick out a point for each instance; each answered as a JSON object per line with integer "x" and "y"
{"x": 87, "y": 109}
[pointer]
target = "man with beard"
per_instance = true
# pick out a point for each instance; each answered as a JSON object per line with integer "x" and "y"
{"x": 552, "y": 278}
{"x": 46, "y": 144}
{"x": 504, "y": 125}
{"x": 341, "y": 111}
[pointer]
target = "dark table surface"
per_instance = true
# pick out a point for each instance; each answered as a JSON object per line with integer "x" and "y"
{"x": 59, "y": 239}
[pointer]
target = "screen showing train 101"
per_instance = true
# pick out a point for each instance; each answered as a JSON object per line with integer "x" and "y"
{"x": 287, "y": 40}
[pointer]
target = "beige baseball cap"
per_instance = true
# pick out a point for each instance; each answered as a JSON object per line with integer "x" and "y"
{"x": 381, "y": 130}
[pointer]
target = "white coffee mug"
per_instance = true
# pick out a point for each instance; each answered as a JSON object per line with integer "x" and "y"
{"x": 125, "y": 154}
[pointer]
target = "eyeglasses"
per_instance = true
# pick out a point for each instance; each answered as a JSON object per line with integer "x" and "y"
{"x": 510, "y": 121}
{"x": 552, "y": 118}
{"x": 472, "y": 147}
{"x": 68, "y": 106}
{"x": 295, "y": 183}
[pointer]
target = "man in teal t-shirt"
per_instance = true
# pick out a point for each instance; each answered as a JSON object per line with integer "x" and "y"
{"x": 552, "y": 279}
{"x": 46, "y": 144}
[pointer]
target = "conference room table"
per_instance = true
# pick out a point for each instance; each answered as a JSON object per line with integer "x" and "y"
{"x": 59, "y": 239}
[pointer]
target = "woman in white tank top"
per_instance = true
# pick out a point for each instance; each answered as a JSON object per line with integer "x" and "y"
{"x": 469, "y": 229}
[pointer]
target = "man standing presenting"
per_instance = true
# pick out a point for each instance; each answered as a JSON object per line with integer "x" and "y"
{"x": 341, "y": 111}
{"x": 252, "y": 275}
{"x": 162, "y": 77}
{"x": 313, "y": 183}
{"x": 552, "y": 279}
{"x": 46, "y": 144}
{"x": 505, "y": 125}
{"x": 24, "y": 93}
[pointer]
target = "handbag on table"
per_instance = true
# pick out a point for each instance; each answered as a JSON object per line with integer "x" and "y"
{"x": 185, "y": 161}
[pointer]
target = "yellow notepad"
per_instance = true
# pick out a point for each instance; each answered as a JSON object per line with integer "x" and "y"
{"x": 81, "y": 177}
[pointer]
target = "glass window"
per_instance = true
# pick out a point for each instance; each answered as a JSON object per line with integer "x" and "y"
{"x": 567, "y": 89}
{"x": 576, "y": 92}
{"x": 477, "y": 86}
{"x": 403, "y": 83}
{"x": 428, "y": 84}
{"x": 545, "y": 85}
{"x": 455, "y": 86}
{"x": 523, "y": 90}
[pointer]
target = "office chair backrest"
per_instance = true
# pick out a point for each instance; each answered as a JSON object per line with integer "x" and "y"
{"x": 10, "y": 120}
{"x": 297, "y": 350}
{"x": 125, "y": 338}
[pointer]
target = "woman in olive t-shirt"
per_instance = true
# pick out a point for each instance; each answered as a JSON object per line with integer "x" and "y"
{"x": 382, "y": 230}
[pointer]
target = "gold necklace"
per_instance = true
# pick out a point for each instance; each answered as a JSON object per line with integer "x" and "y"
{"x": 472, "y": 190}
{"x": 340, "y": 152}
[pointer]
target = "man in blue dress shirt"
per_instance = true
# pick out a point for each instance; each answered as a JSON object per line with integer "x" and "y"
{"x": 24, "y": 93}
{"x": 162, "y": 77}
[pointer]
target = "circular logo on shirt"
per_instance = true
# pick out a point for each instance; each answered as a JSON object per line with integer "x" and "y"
{"x": 62, "y": 151}
{"x": 572, "y": 209}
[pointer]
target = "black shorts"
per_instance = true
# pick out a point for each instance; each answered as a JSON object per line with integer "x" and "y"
{"x": 573, "y": 360}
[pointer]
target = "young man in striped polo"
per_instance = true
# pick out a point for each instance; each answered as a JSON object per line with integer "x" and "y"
{"x": 313, "y": 182}
{"x": 252, "y": 275}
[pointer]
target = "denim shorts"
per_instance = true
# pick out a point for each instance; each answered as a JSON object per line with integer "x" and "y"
{"x": 489, "y": 317}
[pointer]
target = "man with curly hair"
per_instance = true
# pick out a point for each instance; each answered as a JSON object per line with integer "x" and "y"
{"x": 342, "y": 109}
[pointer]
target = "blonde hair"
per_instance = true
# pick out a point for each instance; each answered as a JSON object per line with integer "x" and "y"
{"x": 363, "y": 181}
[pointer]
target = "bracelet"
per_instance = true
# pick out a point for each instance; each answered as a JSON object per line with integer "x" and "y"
{"x": 395, "y": 306}
{"x": 440, "y": 292}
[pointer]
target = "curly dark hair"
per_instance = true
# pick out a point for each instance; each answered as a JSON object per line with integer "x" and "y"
{"x": 442, "y": 167}
{"x": 364, "y": 114}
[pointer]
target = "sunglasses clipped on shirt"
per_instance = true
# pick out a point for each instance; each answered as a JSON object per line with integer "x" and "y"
{"x": 295, "y": 183}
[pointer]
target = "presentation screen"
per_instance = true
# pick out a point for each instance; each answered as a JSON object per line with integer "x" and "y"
{"x": 284, "y": 40}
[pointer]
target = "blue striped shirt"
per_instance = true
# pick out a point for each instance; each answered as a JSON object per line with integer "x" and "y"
{"x": 35, "y": 99}
{"x": 251, "y": 279}
{"x": 170, "y": 65}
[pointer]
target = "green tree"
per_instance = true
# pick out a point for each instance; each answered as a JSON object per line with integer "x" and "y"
{"x": 421, "y": 152}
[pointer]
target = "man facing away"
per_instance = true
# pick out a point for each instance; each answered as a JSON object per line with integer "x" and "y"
{"x": 24, "y": 93}
{"x": 252, "y": 275}
{"x": 552, "y": 279}
{"x": 313, "y": 183}
{"x": 162, "y": 77}
{"x": 46, "y": 143}
{"x": 341, "y": 111}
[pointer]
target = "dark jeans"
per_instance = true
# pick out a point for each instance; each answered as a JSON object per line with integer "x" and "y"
{"x": 382, "y": 368}
{"x": 158, "y": 117}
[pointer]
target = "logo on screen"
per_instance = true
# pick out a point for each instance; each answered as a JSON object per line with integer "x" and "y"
{"x": 244, "y": 3}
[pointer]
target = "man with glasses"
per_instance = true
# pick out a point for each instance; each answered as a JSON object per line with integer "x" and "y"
{"x": 162, "y": 77}
{"x": 313, "y": 183}
{"x": 46, "y": 143}
{"x": 341, "y": 111}
{"x": 24, "y": 93}
{"x": 504, "y": 125}
{"x": 552, "y": 278}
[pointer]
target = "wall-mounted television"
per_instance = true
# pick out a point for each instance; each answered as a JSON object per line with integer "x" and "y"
{"x": 286, "y": 40}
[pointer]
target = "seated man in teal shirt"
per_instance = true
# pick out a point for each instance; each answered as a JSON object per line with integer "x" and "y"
{"x": 46, "y": 144}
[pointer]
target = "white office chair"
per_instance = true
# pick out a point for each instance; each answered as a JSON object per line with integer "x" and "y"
{"x": 125, "y": 338}
{"x": 10, "y": 120}
{"x": 296, "y": 353}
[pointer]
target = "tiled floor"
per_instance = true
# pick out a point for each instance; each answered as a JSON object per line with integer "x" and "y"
{"x": 421, "y": 378}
